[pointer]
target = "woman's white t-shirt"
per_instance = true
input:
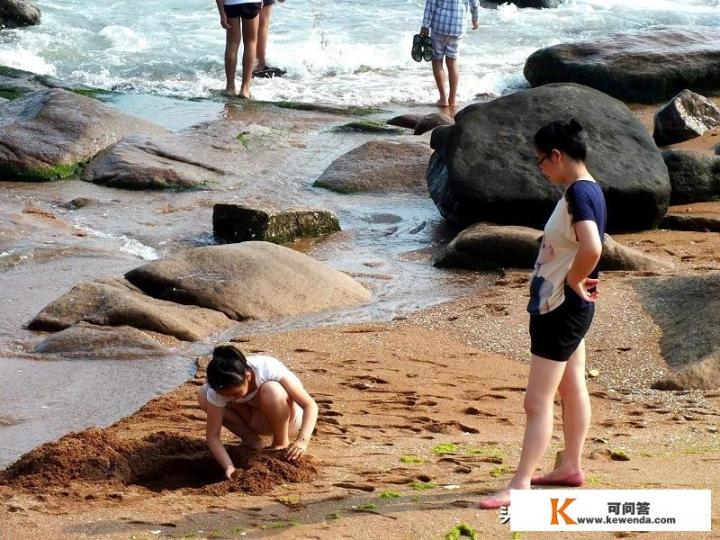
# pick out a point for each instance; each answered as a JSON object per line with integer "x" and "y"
{"x": 266, "y": 368}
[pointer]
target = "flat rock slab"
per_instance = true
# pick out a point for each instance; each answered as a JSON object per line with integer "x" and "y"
{"x": 640, "y": 67}
{"x": 379, "y": 167}
{"x": 250, "y": 280}
{"x": 687, "y": 309}
{"x": 115, "y": 302}
{"x": 245, "y": 222}
{"x": 485, "y": 168}
{"x": 89, "y": 341}
{"x": 15, "y": 83}
{"x": 491, "y": 247}
{"x": 367, "y": 126}
{"x": 50, "y": 134}
{"x": 160, "y": 162}
{"x": 702, "y": 217}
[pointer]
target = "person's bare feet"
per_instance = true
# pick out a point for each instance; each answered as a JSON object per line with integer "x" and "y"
{"x": 495, "y": 501}
{"x": 230, "y": 92}
{"x": 442, "y": 102}
{"x": 452, "y": 103}
{"x": 560, "y": 477}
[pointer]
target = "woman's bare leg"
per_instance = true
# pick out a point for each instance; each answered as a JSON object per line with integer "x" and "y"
{"x": 263, "y": 31}
{"x": 249, "y": 37}
{"x": 543, "y": 382}
{"x": 232, "y": 44}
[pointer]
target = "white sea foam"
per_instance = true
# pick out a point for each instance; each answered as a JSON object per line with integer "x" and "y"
{"x": 339, "y": 51}
{"x": 124, "y": 243}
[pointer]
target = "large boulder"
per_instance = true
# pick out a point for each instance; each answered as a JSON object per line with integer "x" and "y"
{"x": 115, "y": 302}
{"x": 645, "y": 67}
{"x": 694, "y": 176}
{"x": 250, "y": 280}
{"x": 50, "y": 134}
{"x": 163, "y": 162}
{"x": 379, "y": 167}
{"x": 431, "y": 121}
{"x": 537, "y": 4}
{"x": 15, "y": 13}
{"x": 687, "y": 310}
{"x": 261, "y": 221}
{"x": 484, "y": 246}
{"x": 89, "y": 341}
{"x": 484, "y": 167}
{"x": 686, "y": 116}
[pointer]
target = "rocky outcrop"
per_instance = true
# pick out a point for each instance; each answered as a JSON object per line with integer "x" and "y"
{"x": 260, "y": 221}
{"x": 14, "y": 13}
{"x": 700, "y": 217}
{"x": 694, "y": 176}
{"x": 162, "y": 162}
{"x": 686, "y": 116}
{"x": 250, "y": 280}
{"x": 408, "y": 121}
{"x": 88, "y": 341}
{"x": 50, "y": 134}
{"x": 687, "y": 310}
{"x": 431, "y": 121}
{"x": 379, "y": 167}
{"x": 650, "y": 66}
{"x": 115, "y": 302}
{"x": 491, "y": 247}
{"x": 15, "y": 83}
{"x": 484, "y": 167}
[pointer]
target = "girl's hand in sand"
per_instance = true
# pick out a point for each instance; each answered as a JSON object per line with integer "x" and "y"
{"x": 296, "y": 450}
{"x": 229, "y": 472}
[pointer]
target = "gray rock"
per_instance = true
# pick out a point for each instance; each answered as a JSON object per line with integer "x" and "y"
{"x": 686, "y": 116}
{"x": 484, "y": 167}
{"x": 537, "y": 4}
{"x": 379, "y": 167}
{"x": 431, "y": 121}
{"x": 687, "y": 310}
{"x": 684, "y": 222}
{"x": 367, "y": 126}
{"x": 404, "y": 120}
{"x": 161, "y": 162}
{"x": 260, "y": 221}
{"x": 649, "y": 66}
{"x": 88, "y": 341}
{"x": 50, "y": 134}
{"x": 15, "y": 83}
{"x": 15, "y": 13}
{"x": 487, "y": 247}
{"x": 694, "y": 176}
{"x": 115, "y": 302}
{"x": 250, "y": 280}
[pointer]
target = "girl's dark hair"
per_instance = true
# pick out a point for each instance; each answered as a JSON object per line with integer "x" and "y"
{"x": 227, "y": 367}
{"x": 564, "y": 136}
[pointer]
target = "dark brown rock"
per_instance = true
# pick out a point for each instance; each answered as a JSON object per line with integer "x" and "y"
{"x": 686, "y": 116}
{"x": 259, "y": 221}
{"x": 431, "y": 121}
{"x": 14, "y": 13}
{"x": 694, "y": 176}
{"x": 404, "y": 120}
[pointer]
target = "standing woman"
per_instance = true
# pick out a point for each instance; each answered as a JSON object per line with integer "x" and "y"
{"x": 563, "y": 291}
{"x": 239, "y": 18}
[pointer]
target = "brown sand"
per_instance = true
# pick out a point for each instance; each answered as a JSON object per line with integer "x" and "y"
{"x": 393, "y": 397}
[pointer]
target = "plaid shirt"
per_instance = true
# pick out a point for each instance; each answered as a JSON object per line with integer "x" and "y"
{"x": 449, "y": 17}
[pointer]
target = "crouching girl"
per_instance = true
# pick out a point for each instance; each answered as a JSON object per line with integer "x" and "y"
{"x": 251, "y": 397}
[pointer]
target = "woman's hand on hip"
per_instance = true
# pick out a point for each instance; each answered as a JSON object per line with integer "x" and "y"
{"x": 586, "y": 288}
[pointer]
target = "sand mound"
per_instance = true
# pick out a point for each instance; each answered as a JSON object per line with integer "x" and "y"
{"x": 158, "y": 462}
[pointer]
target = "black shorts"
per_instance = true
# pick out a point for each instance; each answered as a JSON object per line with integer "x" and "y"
{"x": 268, "y": 2}
{"x": 557, "y": 334}
{"x": 244, "y": 11}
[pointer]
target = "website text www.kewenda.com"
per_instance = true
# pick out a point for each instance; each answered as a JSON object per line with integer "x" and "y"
{"x": 610, "y": 520}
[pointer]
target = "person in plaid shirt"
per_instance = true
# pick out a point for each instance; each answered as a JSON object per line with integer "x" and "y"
{"x": 445, "y": 21}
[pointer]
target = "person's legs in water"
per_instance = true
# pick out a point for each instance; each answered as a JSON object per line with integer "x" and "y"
{"x": 249, "y": 37}
{"x": 454, "y": 77}
{"x": 576, "y": 418}
{"x": 543, "y": 382}
{"x": 232, "y": 44}
{"x": 263, "y": 30}
{"x": 439, "y": 73}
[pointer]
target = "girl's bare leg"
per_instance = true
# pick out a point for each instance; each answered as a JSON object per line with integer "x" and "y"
{"x": 249, "y": 37}
{"x": 232, "y": 44}
{"x": 263, "y": 31}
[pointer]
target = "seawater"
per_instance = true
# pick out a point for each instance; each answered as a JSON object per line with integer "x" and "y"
{"x": 339, "y": 51}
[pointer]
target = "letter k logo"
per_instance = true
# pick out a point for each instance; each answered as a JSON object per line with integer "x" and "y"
{"x": 561, "y": 512}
